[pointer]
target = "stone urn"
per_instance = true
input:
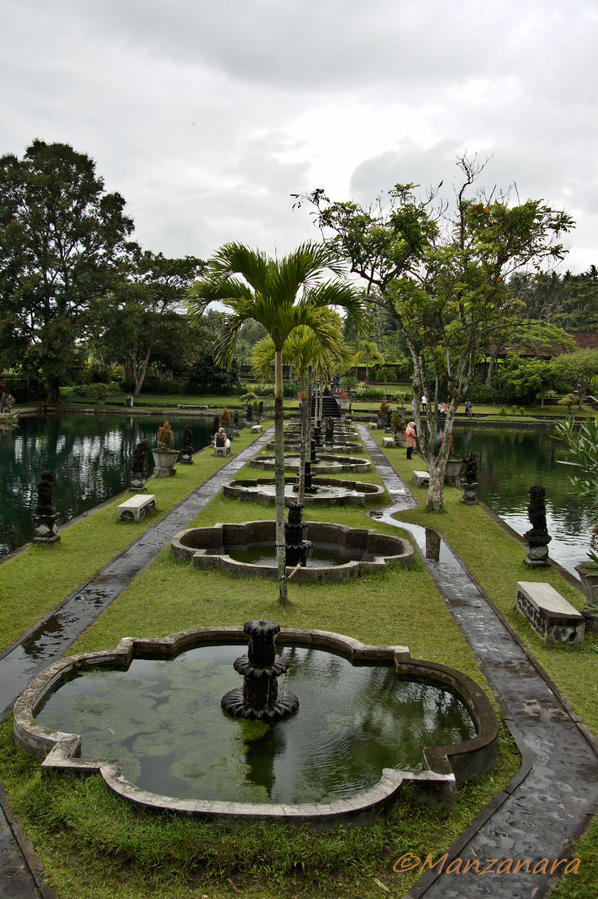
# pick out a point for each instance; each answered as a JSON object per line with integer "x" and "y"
{"x": 452, "y": 472}
{"x": 588, "y": 574}
{"x": 165, "y": 462}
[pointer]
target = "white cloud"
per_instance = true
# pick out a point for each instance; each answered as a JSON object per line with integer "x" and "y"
{"x": 207, "y": 116}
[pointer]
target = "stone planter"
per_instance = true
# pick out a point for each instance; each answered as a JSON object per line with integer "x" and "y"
{"x": 588, "y": 575}
{"x": 452, "y": 471}
{"x": 165, "y": 462}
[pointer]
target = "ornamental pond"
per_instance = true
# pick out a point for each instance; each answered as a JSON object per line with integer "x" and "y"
{"x": 90, "y": 456}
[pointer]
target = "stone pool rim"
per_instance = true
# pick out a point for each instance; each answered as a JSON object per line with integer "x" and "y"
{"x": 237, "y": 489}
{"x": 447, "y": 765}
{"x": 209, "y": 547}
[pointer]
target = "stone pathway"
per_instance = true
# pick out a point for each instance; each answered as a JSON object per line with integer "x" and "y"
{"x": 543, "y": 810}
{"x": 53, "y": 635}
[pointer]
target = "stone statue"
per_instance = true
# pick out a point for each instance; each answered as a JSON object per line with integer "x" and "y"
{"x": 471, "y": 468}
{"x": 187, "y": 447}
{"x": 139, "y": 464}
{"x": 45, "y": 489}
{"x": 45, "y": 515}
{"x": 537, "y": 538}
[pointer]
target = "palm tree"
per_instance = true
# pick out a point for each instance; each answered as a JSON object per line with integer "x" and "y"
{"x": 368, "y": 352}
{"x": 312, "y": 357}
{"x": 280, "y": 295}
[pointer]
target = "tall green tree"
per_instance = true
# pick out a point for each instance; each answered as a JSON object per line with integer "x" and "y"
{"x": 280, "y": 294}
{"x": 576, "y": 370}
{"x": 367, "y": 353}
{"x": 144, "y": 306}
{"x": 62, "y": 237}
{"x": 440, "y": 271}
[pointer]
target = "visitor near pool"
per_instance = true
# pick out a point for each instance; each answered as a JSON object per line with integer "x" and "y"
{"x": 411, "y": 436}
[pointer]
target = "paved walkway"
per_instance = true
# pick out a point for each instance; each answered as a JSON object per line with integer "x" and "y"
{"x": 543, "y": 810}
{"x": 537, "y": 816}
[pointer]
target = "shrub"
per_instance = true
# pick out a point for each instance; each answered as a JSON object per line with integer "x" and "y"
{"x": 165, "y": 437}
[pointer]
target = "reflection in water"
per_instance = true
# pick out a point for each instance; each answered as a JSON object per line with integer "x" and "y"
{"x": 163, "y": 720}
{"x": 432, "y": 545}
{"x": 509, "y": 462}
{"x": 90, "y": 457}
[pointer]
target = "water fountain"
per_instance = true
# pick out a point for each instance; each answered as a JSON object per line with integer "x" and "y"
{"x": 338, "y": 553}
{"x": 321, "y": 491}
{"x": 371, "y": 719}
{"x": 258, "y": 698}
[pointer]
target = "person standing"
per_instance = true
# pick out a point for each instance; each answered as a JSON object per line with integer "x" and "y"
{"x": 411, "y": 435}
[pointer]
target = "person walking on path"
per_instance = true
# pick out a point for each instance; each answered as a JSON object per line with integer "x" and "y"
{"x": 411, "y": 435}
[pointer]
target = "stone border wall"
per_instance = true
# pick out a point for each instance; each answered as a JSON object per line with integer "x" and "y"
{"x": 447, "y": 765}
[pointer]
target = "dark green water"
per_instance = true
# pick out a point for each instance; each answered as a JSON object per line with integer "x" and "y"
{"x": 90, "y": 456}
{"x": 163, "y": 720}
{"x": 509, "y": 463}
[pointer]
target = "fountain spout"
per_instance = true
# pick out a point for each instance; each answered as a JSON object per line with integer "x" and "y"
{"x": 258, "y": 698}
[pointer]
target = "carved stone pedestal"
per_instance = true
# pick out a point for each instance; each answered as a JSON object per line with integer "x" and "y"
{"x": 45, "y": 528}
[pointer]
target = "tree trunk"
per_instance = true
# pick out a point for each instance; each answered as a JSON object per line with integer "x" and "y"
{"x": 435, "y": 497}
{"x": 53, "y": 393}
{"x": 140, "y": 378}
{"x": 279, "y": 478}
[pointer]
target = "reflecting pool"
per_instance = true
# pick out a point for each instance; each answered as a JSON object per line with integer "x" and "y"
{"x": 90, "y": 456}
{"x": 510, "y": 461}
{"x": 162, "y": 719}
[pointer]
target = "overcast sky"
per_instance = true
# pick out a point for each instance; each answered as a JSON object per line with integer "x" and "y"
{"x": 207, "y": 115}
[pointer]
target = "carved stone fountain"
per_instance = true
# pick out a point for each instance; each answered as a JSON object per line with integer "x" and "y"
{"x": 258, "y": 698}
{"x": 295, "y": 530}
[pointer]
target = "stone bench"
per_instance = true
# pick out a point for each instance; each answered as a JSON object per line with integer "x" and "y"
{"x": 222, "y": 450}
{"x": 256, "y": 429}
{"x": 549, "y": 613}
{"x": 388, "y": 441}
{"x": 421, "y": 478}
{"x": 136, "y": 507}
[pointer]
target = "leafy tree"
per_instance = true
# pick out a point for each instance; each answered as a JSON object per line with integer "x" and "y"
{"x": 366, "y": 354}
{"x": 582, "y": 444}
{"x": 441, "y": 272}
{"x": 576, "y": 369}
{"x": 142, "y": 310}
{"x": 522, "y": 380}
{"x": 61, "y": 239}
{"x": 280, "y": 295}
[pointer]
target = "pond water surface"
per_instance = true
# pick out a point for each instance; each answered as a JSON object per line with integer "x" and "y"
{"x": 163, "y": 721}
{"x": 90, "y": 456}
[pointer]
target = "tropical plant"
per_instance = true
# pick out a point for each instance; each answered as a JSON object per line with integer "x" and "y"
{"x": 280, "y": 295}
{"x": 313, "y": 359}
{"x": 582, "y": 443}
{"x": 366, "y": 354}
{"x": 165, "y": 439}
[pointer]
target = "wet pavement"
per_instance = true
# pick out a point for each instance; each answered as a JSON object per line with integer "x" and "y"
{"x": 538, "y": 815}
{"x": 541, "y": 813}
